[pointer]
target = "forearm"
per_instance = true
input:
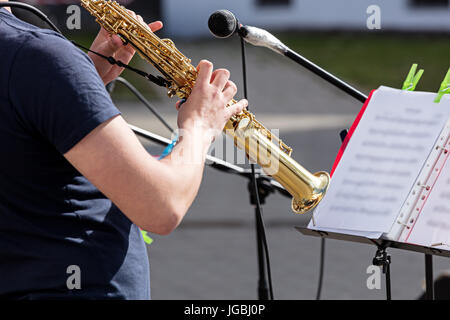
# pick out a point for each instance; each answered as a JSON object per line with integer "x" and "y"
{"x": 159, "y": 193}
{"x": 185, "y": 166}
{"x": 153, "y": 194}
{"x": 163, "y": 191}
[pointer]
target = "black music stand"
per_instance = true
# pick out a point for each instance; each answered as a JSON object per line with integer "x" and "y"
{"x": 382, "y": 245}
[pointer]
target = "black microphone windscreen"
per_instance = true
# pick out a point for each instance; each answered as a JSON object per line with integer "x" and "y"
{"x": 222, "y": 23}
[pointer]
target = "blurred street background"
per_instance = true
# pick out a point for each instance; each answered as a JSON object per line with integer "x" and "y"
{"x": 212, "y": 255}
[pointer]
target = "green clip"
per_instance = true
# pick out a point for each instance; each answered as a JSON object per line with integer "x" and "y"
{"x": 445, "y": 87}
{"x": 147, "y": 239}
{"x": 412, "y": 79}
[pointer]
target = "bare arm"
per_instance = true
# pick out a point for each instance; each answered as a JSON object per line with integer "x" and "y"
{"x": 155, "y": 195}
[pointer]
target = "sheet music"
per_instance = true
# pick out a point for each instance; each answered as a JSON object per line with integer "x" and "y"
{"x": 423, "y": 187}
{"x": 381, "y": 162}
{"x": 432, "y": 228}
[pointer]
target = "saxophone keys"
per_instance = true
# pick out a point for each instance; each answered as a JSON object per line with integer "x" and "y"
{"x": 171, "y": 93}
{"x": 169, "y": 43}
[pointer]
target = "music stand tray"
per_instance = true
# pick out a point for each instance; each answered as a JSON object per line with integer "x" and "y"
{"x": 377, "y": 242}
{"x": 382, "y": 245}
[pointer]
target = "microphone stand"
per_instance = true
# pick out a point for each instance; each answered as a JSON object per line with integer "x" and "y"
{"x": 257, "y": 197}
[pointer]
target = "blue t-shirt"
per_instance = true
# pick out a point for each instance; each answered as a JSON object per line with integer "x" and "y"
{"x": 51, "y": 217}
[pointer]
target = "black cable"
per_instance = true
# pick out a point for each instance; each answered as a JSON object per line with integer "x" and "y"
{"x": 342, "y": 135}
{"x": 322, "y": 267}
{"x": 158, "y": 80}
{"x": 259, "y": 214}
{"x": 143, "y": 100}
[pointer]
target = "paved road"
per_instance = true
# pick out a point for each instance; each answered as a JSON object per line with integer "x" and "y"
{"x": 212, "y": 254}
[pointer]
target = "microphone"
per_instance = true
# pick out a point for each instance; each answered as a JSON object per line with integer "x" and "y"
{"x": 223, "y": 24}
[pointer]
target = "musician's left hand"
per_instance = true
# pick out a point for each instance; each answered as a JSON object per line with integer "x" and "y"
{"x": 111, "y": 45}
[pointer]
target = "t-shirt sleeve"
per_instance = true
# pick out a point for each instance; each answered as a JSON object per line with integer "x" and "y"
{"x": 57, "y": 92}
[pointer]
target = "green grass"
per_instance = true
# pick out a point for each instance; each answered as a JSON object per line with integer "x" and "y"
{"x": 370, "y": 60}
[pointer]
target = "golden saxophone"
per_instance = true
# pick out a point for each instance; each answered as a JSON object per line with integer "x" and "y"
{"x": 248, "y": 134}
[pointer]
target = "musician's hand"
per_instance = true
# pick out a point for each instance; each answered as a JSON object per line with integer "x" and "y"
{"x": 206, "y": 110}
{"x": 111, "y": 45}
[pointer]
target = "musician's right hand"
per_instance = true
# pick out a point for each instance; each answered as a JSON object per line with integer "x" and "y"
{"x": 205, "y": 110}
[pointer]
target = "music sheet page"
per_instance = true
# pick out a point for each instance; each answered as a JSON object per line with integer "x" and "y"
{"x": 381, "y": 162}
{"x": 432, "y": 228}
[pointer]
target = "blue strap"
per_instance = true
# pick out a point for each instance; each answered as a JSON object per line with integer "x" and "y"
{"x": 169, "y": 148}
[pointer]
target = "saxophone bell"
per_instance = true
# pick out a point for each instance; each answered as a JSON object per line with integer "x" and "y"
{"x": 275, "y": 160}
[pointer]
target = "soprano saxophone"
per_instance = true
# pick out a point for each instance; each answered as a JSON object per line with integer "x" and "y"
{"x": 259, "y": 144}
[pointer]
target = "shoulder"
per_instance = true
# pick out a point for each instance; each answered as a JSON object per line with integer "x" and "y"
{"x": 55, "y": 62}
{"x": 37, "y": 44}
{"x": 25, "y": 37}
{"x": 51, "y": 66}
{"x": 28, "y": 46}
{"x": 51, "y": 48}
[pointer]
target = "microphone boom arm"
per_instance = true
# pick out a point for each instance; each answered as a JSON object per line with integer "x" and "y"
{"x": 263, "y": 38}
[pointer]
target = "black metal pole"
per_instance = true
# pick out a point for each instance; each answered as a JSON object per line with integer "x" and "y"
{"x": 383, "y": 260}
{"x": 326, "y": 75}
{"x": 263, "y": 289}
{"x": 322, "y": 268}
{"x": 244, "y": 68}
{"x": 388, "y": 281}
{"x": 429, "y": 290}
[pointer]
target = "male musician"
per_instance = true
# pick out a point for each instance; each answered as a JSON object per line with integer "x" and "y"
{"x": 75, "y": 183}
